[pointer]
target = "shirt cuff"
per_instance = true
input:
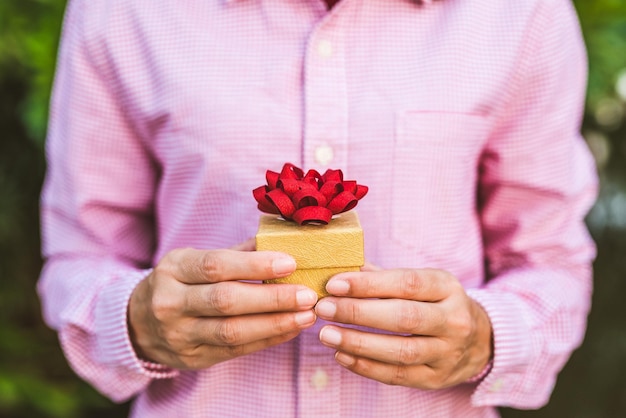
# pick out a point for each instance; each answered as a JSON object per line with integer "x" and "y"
{"x": 512, "y": 347}
{"x": 482, "y": 374}
{"x": 115, "y": 347}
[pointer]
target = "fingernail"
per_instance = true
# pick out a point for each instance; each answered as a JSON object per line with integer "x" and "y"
{"x": 330, "y": 336}
{"x": 338, "y": 287}
{"x": 306, "y": 297}
{"x": 305, "y": 318}
{"x": 283, "y": 266}
{"x": 326, "y": 309}
{"x": 344, "y": 359}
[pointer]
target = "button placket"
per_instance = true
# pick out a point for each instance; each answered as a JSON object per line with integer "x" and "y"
{"x": 325, "y": 137}
{"x": 324, "y": 48}
{"x": 319, "y": 386}
{"x": 324, "y": 154}
{"x": 325, "y": 106}
{"x": 319, "y": 379}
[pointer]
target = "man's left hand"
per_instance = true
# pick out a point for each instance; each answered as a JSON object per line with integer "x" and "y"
{"x": 435, "y": 336}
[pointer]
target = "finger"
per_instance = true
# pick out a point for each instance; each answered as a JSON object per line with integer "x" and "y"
{"x": 236, "y": 298}
{"x": 420, "y": 376}
{"x": 229, "y": 352}
{"x": 394, "y": 315}
{"x": 212, "y": 266}
{"x": 204, "y": 356}
{"x": 243, "y": 330}
{"x": 428, "y": 285}
{"x": 384, "y": 348}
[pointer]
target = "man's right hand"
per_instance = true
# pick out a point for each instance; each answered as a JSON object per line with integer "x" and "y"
{"x": 192, "y": 311}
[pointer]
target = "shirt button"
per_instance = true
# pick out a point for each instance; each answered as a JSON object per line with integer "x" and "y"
{"x": 319, "y": 380}
{"x": 325, "y": 48}
{"x": 324, "y": 154}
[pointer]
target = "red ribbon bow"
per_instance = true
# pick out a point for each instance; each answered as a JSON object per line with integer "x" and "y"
{"x": 307, "y": 198}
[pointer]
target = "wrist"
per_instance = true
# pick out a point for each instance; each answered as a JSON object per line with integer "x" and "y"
{"x": 484, "y": 344}
{"x": 136, "y": 318}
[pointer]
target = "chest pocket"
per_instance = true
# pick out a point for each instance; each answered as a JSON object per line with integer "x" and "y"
{"x": 434, "y": 179}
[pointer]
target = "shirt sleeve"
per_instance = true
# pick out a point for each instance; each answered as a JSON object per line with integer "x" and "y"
{"x": 537, "y": 183}
{"x": 97, "y": 216}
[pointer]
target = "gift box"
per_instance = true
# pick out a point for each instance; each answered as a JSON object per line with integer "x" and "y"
{"x": 320, "y": 251}
{"x": 311, "y": 219}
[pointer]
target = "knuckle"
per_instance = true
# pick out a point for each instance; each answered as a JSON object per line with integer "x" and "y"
{"x": 456, "y": 288}
{"x": 261, "y": 265}
{"x": 175, "y": 257}
{"x": 164, "y": 307}
{"x": 409, "y": 319}
{"x": 277, "y": 299}
{"x": 462, "y": 325}
{"x": 174, "y": 340}
{"x": 211, "y": 265}
{"x": 164, "y": 268}
{"x": 229, "y": 333}
{"x": 408, "y": 352}
{"x": 236, "y": 350}
{"x": 168, "y": 259}
{"x": 411, "y": 282}
{"x": 359, "y": 346}
{"x": 280, "y": 326}
{"x": 222, "y": 299}
{"x": 458, "y": 356}
{"x": 170, "y": 265}
{"x": 177, "y": 335}
{"x": 355, "y": 312}
{"x": 449, "y": 281}
{"x": 398, "y": 376}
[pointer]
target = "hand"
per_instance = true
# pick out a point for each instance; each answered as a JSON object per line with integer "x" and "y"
{"x": 191, "y": 312}
{"x": 440, "y": 337}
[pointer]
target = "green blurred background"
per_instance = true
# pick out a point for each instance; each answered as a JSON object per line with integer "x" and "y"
{"x": 35, "y": 380}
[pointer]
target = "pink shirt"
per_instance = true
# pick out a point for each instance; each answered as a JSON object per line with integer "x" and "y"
{"x": 461, "y": 116}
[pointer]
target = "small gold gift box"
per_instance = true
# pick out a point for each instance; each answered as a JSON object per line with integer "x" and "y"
{"x": 320, "y": 251}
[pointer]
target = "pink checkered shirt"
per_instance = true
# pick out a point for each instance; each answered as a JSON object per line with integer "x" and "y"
{"x": 461, "y": 116}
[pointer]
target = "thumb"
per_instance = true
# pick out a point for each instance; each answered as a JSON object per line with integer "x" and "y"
{"x": 193, "y": 266}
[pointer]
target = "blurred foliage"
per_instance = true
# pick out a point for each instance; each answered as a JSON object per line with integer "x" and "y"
{"x": 604, "y": 27}
{"x": 35, "y": 380}
{"x": 29, "y": 32}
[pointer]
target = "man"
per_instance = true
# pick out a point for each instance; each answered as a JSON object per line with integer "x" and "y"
{"x": 462, "y": 117}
